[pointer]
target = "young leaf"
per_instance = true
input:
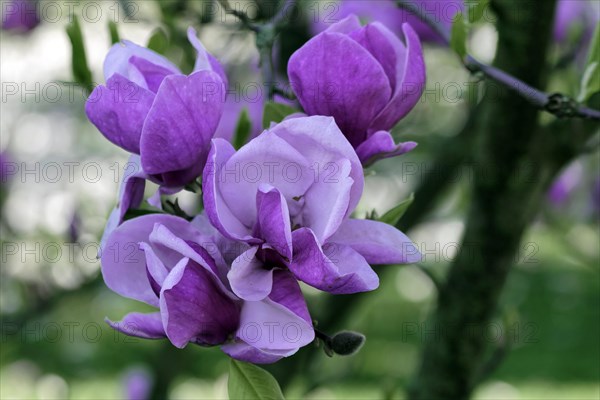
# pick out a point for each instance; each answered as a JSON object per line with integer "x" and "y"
{"x": 242, "y": 130}
{"x": 590, "y": 83}
{"x": 275, "y": 112}
{"x": 79, "y": 65}
{"x": 249, "y": 382}
{"x": 458, "y": 36}
{"x": 159, "y": 42}
{"x": 393, "y": 216}
{"x": 114, "y": 32}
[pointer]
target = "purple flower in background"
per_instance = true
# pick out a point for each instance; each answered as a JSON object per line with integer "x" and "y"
{"x": 288, "y": 194}
{"x": 7, "y": 168}
{"x": 364, "y": 77}
{"x": 179, "y": 267}
{"x": 573, "y": 14}
{"x": 148, "y": 107}
{"x": 389, "y": 14}
{"x": 234, "y": 105}
{"x": 563, "y": 186}
{"x": 19, "y": 15}
{"x": 138, "y": 384}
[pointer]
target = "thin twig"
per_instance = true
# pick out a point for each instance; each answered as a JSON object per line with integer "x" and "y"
{"x": 557, "y": 104}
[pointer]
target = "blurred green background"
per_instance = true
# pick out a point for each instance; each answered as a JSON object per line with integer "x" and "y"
{"x": 54, "y": 342}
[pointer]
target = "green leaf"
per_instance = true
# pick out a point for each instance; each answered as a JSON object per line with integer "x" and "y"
{"x": 242, "y": 130}
{"x": 475, "y": 9}
{"x": 590, "y": 83}
{"x": 393, "y": 216}
{"x": 79, "y": 65}
{"x": 275, "y": 112}
{"x": 458, "y": 36}
{"x": 114, "y": 32}
{"x": 249, "y": 382}
{"x": 159, "y": 41}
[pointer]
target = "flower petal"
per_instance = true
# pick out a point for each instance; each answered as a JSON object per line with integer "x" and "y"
{"x": 117, "y": 61}
{"x": 249, "y": 278}
{"x": 118, "y": 110}
{"x": 270, "y": 326}
{"x": 334, "y": 75}
{"x": 377, "y": 242}
{"x": 381, "y": 145}
{"x": 217, "y": 209}
{"x": 410, "y": 80}
{"x": 178, "y": 129}
{"x": 194, "y": 308}
{"x": 204, "y": 60}
{"x": 147, "y": 326}
{"x": 244, "y": 352}
{"x": 335, "y": 268}
{"x": 287, "y": 292}
{"x": 274, "y": 220}
{"x": 323, "y": 145}
{"x": 124, "y": 263}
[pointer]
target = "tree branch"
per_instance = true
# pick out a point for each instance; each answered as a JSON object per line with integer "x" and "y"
{"x": 560, "y": 105}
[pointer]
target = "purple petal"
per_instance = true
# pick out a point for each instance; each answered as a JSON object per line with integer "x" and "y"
{"x": 204, "y": 60}
{"x": 287, "y": 292}
{"x": 335, "y": 268}
{"x": 377, "y": 242}
{"x": 178, "y": 129}
{"x": 410, "y": 81}
{"x": 327, "y": 203}
{"x": 270, "y": 326}
{"x": 147, "y": 326}
{"x": 323, "y": 145}
{"x": 381, "y": 145}
{"x": 152, "y": 74}
{"x": 118, "y": 61}
{"x": 131, "y": 195}
{"x": 334, "y": 75}
{"x": 217, "y": 209}
{"x": 194, "y": 308}
{"x": 118, "y": 110}
{"x": 244, "y": 352}
{"x": 157, "y": 272}
{"x": 267, "y": 159}
{"x": 249, "y": 278}
{"x": 274, "y": 220}
{"x": 372, "y": 38}
{"x": 346, "y": 25}
{"x": 124, "y": 263}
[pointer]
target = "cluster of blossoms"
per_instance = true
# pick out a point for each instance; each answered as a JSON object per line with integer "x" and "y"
{"x": 276, "y": 212}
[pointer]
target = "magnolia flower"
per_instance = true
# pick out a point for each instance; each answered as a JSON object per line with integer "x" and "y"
{"x": 581, "y": 14}
{"x": 393, "y": 17}
{"x": 177, "y": 266}
{"x": 364, "y": 77}
{"x": 148, "y": 107}
{"x": 20, "y": 15}
{"x": 288, "y": 194}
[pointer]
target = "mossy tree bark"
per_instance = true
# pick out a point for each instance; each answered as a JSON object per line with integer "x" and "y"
{"x": 515, "y": 161}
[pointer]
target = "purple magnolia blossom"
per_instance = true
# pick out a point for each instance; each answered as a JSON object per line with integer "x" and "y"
{"x": 393, "y": 17}
{"x": 180, "y": 268}
{"x": 148, "y": 107}
{"x": 573, "y": 14}
{"x": 563, "y": 187}
{"x": 20, "y": 15}
{"x": 364, "y": 77}
{"x": 288, "y": 194}
{"x": 138, "y": 384}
